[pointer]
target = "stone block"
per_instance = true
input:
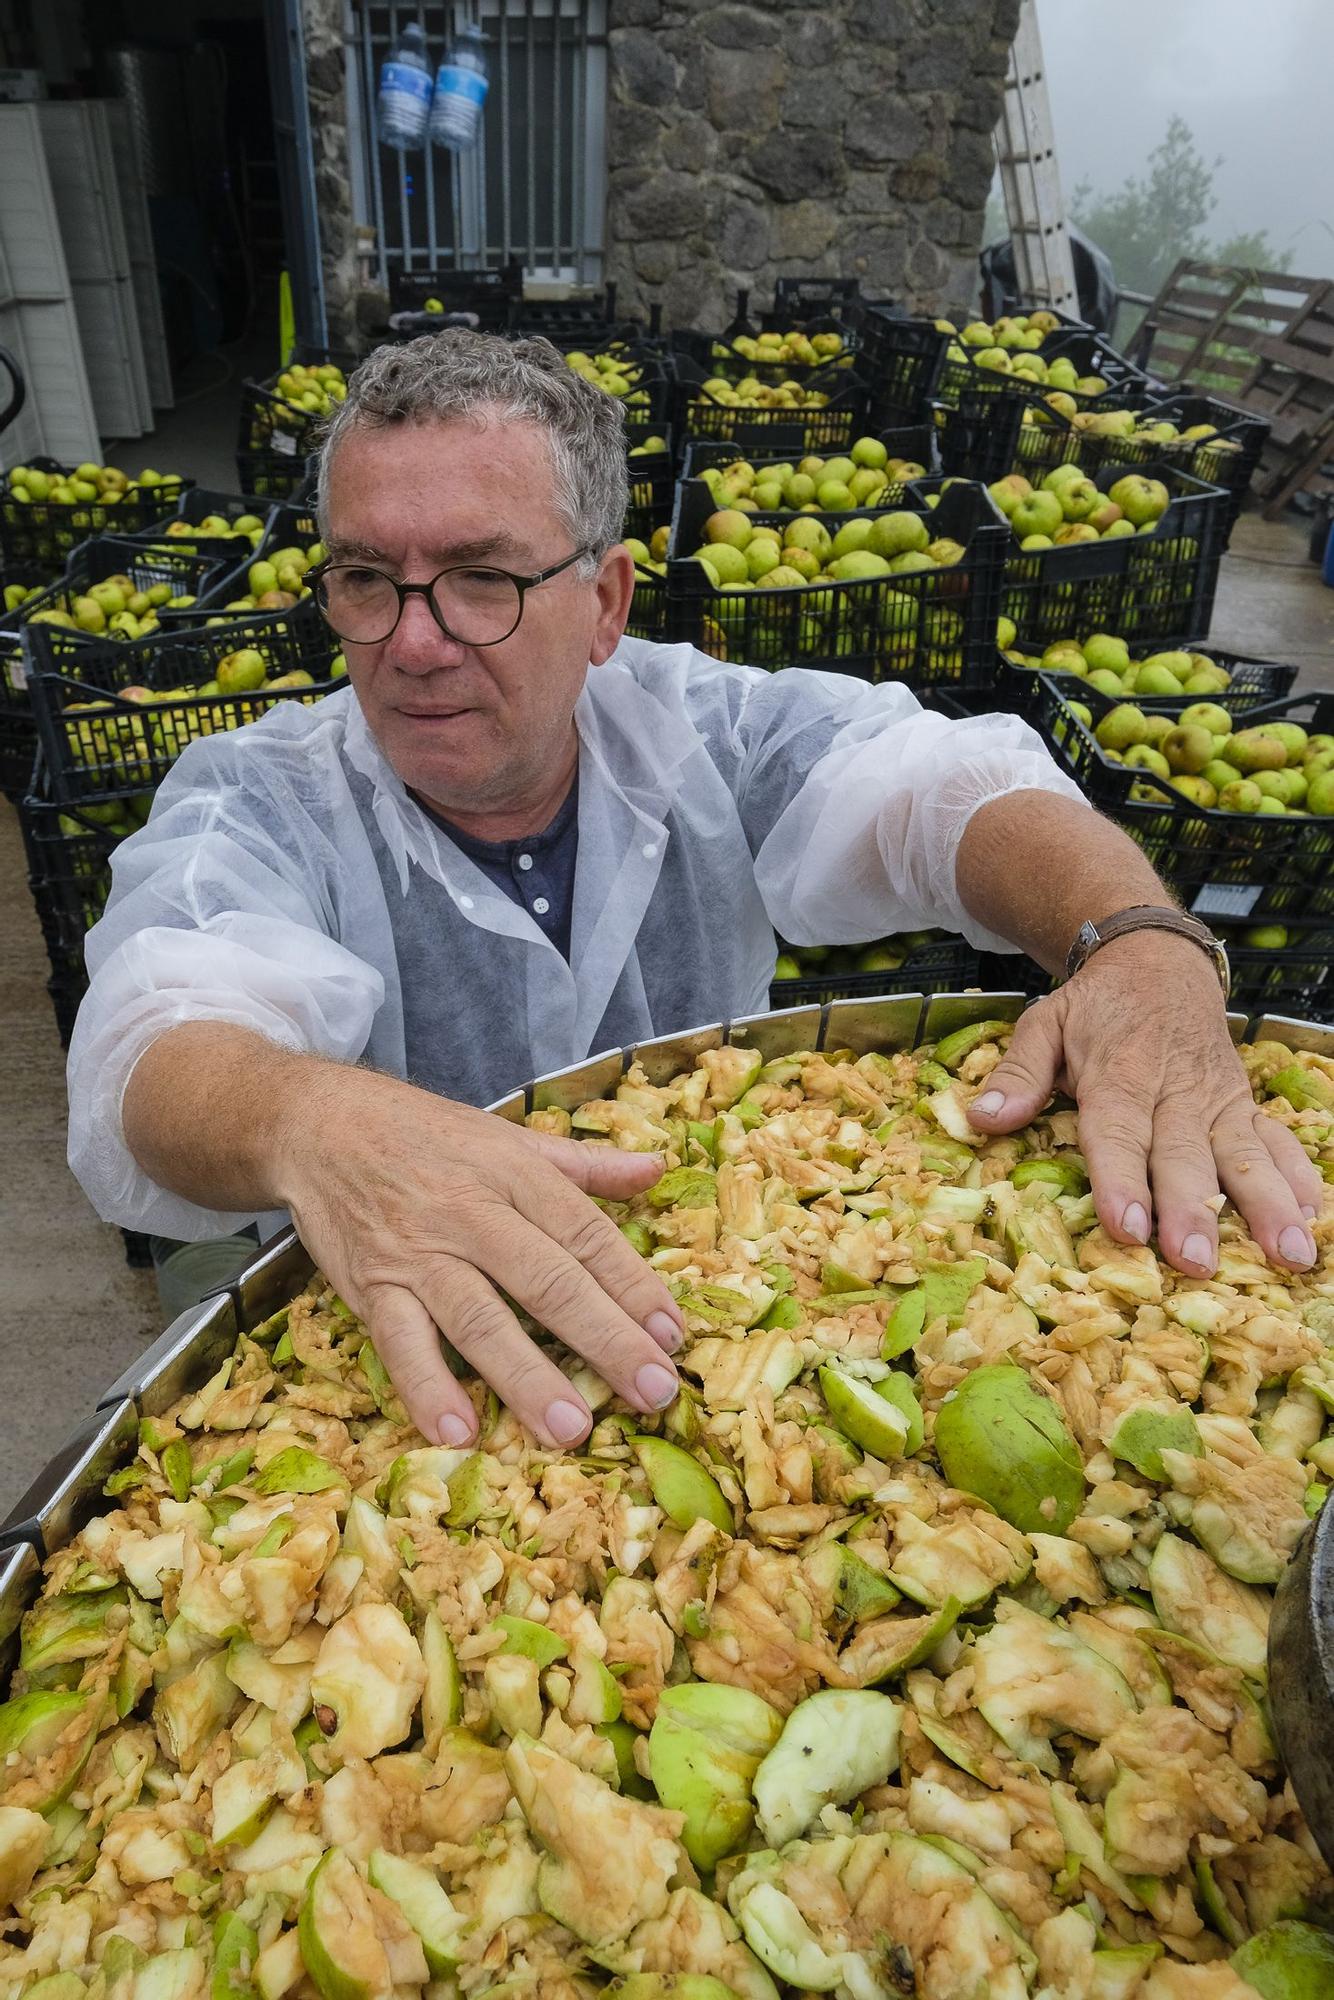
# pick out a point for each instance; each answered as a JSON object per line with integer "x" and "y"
{"x": 887, "y": 22}
{"x": 641, "y": 67}
{"x": 814, "y": 97}
{"x": 741, "y": 88}
{"x": 877, "y": 256}
{"x": 970, "y": 167}
{"x": 666, "y": 205}
{"x": 884, "y": 128}
{"x": 803, "y": 229}
{"x": 743, "y": 239}
{"x": 655, "y": 262}
{"x": 942, "y": 60}
{"x": 734, "y": 27}
{"x": 813, "y": 41}
{"x": 690, "y": 143}
{"x": 635, "y": 13}
{"x": 796, "y": 164}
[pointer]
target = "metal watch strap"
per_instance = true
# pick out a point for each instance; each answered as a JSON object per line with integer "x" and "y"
{"x": 1148, "y": 917}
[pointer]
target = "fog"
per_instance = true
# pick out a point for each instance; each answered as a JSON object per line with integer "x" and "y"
{"x": 1254, "y": 83}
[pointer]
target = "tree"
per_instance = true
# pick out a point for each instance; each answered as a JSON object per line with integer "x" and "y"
{"x": 1153, "y": 219}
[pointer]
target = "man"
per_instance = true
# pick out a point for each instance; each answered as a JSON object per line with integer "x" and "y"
{"x": 518, "y": 839}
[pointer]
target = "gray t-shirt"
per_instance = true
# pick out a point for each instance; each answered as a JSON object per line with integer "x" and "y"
{"x": 536, "y": 872}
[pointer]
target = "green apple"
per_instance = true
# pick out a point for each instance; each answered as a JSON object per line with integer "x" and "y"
{"x": 1142, "y": 500}
{"x": 1002, "y": 1439}
{"x": 1038, "y": 514}
{"x": 1154, "y": 679}
{"x": 1320, "y": 793}
{"x": 857, "y": 565}
{"x": 1121, "y": 727}
{"x": 728, "y": 525}
{"x": 898, "y": 533}
{"x": 1143, "y": 757}
{"x": 1219, "y": 773}
{"x": 1188, "y": 747}
{"x": 1207, "y": 715}
{"x": 1243, "y": 796}
{"x": 1254, "y": 750}
{"x": 1101, "y": 650}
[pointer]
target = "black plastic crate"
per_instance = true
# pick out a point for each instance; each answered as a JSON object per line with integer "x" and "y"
{"x": 982, "y": 439}
{"x": 915, "y": 442}
{"x": 1144, "y": 587}
{"x": 491, "y": 295}
{"x": 43, "y": 533}
{"x": 830, "y": 426}
{"x": 275, "y": 436}
{"x": 18, "y": 731}
{"x": 1226, "y": 867}
{"x": 652, "y": 489}
{"x": 1296, "y": 978}
{"x": 717, "y": 355}
{"x": 946, "y": 966}
{"x": 648, "y": 608}
{"x": 1254, "y": 683}
{"x": 799, "y": 299}
{"x": 652, "y": 381}
{"x": 901, "y": 358}
{"x": 197, "y": 505}
{"x": 124, "y": 747}
{"x": 1090, "y": 353}
{"x": 69, "y": 851}
{"x": 921, "y": 627}
{"x": 199, "y": 576}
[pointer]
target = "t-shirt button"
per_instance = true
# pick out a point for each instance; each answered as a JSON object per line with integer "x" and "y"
{"x": 541, "y": 905}
{"x": 650, "y": 848}
{"x": 525, "y": 861}
{"x": 465, "y": 902}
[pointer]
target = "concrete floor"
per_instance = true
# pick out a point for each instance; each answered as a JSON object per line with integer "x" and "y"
{"x": 71, "y": 1311}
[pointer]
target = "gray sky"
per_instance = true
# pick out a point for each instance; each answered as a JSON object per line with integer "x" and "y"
{"x": 1254, "y": 83}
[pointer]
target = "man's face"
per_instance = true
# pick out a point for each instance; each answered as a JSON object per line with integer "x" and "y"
{"x": 472, "y": 729}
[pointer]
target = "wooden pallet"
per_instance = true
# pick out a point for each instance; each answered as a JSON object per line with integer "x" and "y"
{"x": 1292, "y": 383}
{"x": 1264, "y": 340}
{"x": 1209, "y": 319}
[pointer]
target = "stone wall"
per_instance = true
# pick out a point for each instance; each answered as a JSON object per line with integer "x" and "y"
{"x": 848, "y": 138}
{"x": 325, "y": 89}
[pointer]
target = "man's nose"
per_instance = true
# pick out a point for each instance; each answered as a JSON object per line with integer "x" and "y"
{"x": 418, "y": 646}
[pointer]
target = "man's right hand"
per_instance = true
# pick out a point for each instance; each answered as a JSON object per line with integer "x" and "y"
{"x": 422, "y": 1211}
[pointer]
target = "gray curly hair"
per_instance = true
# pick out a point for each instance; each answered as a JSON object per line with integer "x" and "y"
{"x": 458, "y": 373}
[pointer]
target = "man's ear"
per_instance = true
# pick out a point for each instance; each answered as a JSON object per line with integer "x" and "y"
{"x": 615, "y": 585}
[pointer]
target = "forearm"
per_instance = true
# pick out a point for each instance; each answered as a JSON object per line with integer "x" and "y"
{"x": 209, "y": 1111}
{"x": 1034, "y": 866}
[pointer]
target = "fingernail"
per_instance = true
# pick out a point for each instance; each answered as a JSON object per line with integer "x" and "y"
{"x": 660, "y": 1326}
{"x": 1296, "y": 1245}
{"x": 1198, "y": 1250}
{"x": 1308, "y": 1211}
{"x": 566, "y": 1421}
{"x": 1135, "y": 1222}
{"x": 989, "y": 1103}
{"x": 655, "y": 1386}
{"x": 453, "y": 1430}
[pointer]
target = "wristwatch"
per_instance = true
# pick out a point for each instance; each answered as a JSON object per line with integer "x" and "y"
{"x": 1091, "y": 937}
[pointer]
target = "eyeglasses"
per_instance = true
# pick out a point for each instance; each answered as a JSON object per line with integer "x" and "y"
{"x": 475, "y": 607}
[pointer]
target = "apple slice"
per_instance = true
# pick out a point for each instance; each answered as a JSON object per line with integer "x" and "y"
{"x": 682, "y": 1488}
{"x": 835, "y": 1745}
{"x": 869, "y": 1420}
{"x": 339, "y": 1942}
{"x": 417, "y": 1891}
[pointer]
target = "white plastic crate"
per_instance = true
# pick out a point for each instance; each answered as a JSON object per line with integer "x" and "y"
{"x": 143, "y": 263}
{"x": 83, "y": 181}
{"x": 37, "y": 318}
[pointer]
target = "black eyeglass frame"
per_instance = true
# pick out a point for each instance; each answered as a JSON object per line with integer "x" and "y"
{"x": 522, "y": 584}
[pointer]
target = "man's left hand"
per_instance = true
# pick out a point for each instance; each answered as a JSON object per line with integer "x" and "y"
{"x": 1140, "y": 1040}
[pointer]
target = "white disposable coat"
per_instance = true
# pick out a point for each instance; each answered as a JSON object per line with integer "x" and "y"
{"x": 287, "y": 882}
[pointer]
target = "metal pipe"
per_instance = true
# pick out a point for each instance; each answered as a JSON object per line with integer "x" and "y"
{"x": 373, "y": 127}
{"x": 479, "y": 159}
{"x": 555, "y": 138}
{"x": 578, "y": 98}
{"x": 428, "y": 169}
{"x": 532, "y": 165}
{"x": 505, "y": 131}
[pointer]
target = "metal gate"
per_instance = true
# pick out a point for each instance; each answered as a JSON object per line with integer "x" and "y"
{"x": 534, "y": 187}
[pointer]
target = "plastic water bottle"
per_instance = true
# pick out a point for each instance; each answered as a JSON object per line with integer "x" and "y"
{"x": 404, "y": 103}
{"x": 460, "y": 92}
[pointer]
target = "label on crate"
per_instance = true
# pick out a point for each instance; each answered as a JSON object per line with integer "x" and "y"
{"x": 1226, "y": 899}
{"x": 284, "y": 442}
{"x": 17, "y": 670}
